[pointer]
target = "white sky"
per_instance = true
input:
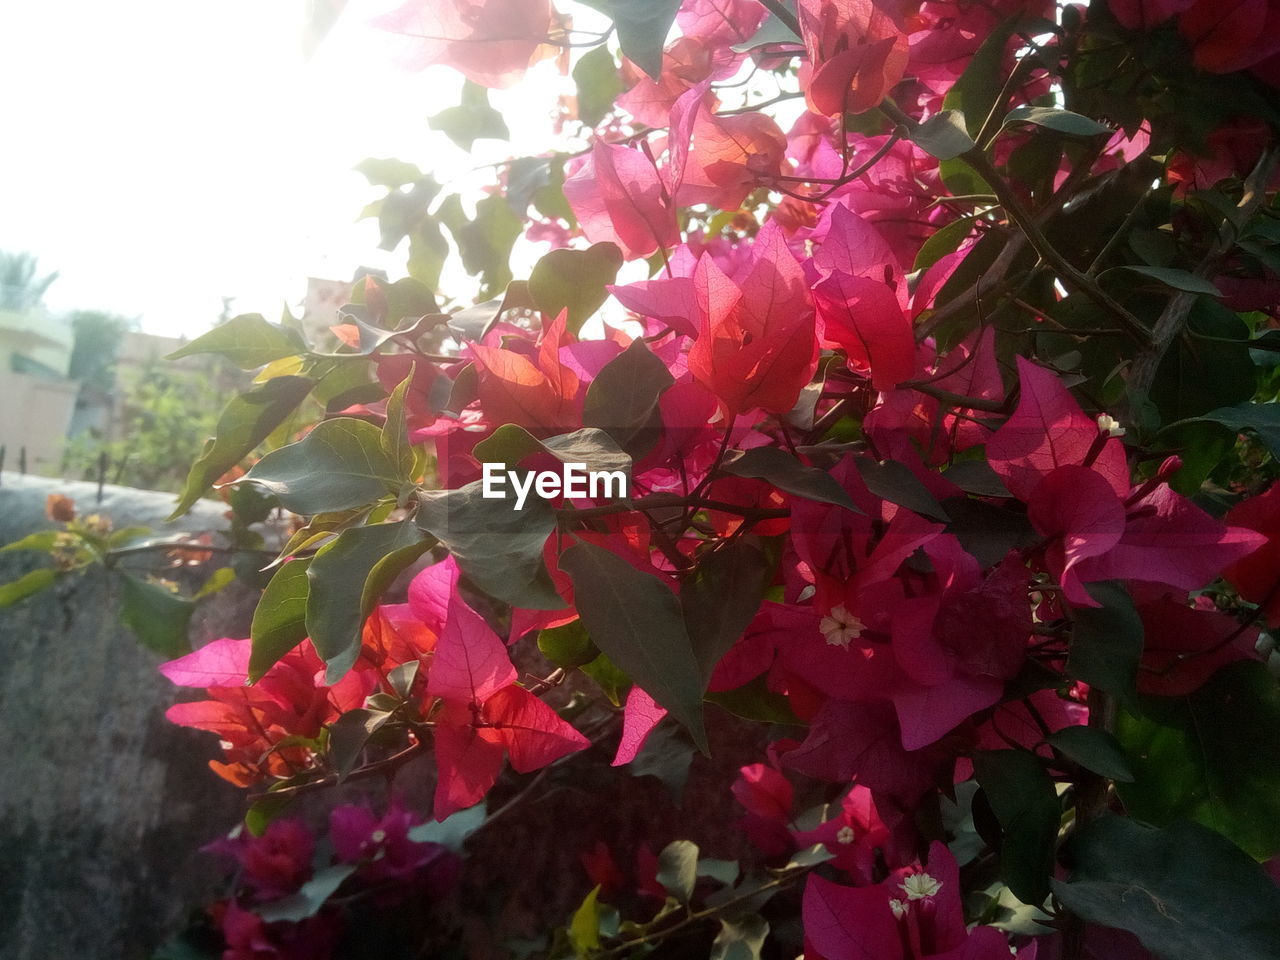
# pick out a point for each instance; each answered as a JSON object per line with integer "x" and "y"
{"x": 161, "y": 154}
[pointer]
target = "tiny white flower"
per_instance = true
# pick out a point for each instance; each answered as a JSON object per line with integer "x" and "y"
{"x": 378, "y": 836}
{"x": 845, "y": 835}
{"x": 920, "y": 885}
{"x": 899, "y": 908}
{"x": 840, "y": 626}
{"x": 1109, "y": 426}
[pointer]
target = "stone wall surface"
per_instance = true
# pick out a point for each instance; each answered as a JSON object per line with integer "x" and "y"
{"x": 103, "y": 803}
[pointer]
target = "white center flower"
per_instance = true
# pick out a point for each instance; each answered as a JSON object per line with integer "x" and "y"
{"x": 920, "y": 885}
{"x": 845, "y": 835}
{"x": 1109, "y": 426}
{"x": 840, "y": 626}
{"x": 899, "y": 908}
{"x": 378, "y": 836}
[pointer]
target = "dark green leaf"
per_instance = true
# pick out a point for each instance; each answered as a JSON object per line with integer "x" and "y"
{"x": 721, "y": 599}
{"x": 157, "y": 617}
{"x": 310, "y": 898}
{"x": 1169, "y": 277}
{"x": 347, "y": 576}
{"x": 977, "y": 477}
{"x": 339, "y": 465}
{"x": 401, "y": 678}
{"x": 635, "y": 618}
{"x": 1199, "y": 375}
{"x": 773, "y": 30}
{"x": 26, "y": 585}
{"x": 575, "y": 280}
{"x": 942, "y": 242}
{"x": 788, "y": 474}
{"x": 265, "y": 809}
{"x": 741, "y": 938}
{"x": 498, "y": 548}
{"x": 613, "y": 683}
{"x": 755, "y": 701}
{"x": 666, "y": 755}
{"x": 678, "y": 869}
{"x": 1262, "y": 418}
{"x": 943, "y": 135}
{"x": 248, "y": 341}
{"x": 1095, "y": 750}
{"x": 894, "y": 481}
{"x": 1212, "y": 757}
{"x": 623, "y": 398}
{"x": 510, "y": 444}
{"x": 642, "y": 27}
{"x": 975, "y": 92}
{"x": 372, "y": 337}
{"x": 279, "y": 619}
{"x": 1106, "y": 643}
{"x": 598, "y": 84}
{"x": 40, "y": 540}
{"x": 245, "y": 423}
{"x": 1059, "y": 121}
{"x": 485, "y": 243}
{"x": 348, "y": 735}
{"x": 1184, "y": 891}
{"x": 584, "y": 926}
{"x": 1024, "y": 801}
{"x": 473, "y": 119}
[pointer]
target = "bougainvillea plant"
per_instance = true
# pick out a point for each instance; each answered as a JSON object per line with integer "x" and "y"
{"x": 947, "y": 411}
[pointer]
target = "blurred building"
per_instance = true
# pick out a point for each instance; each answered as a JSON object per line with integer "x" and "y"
{"x": 37, "y": 398}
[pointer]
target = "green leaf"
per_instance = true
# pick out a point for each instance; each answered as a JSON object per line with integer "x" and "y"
{"x": 741, "y": 938}
{"x": 43, "y": 540}
{"x": 347, "y": 576}
{"x": 389, "y": 172}
{"x": 943, "y": 135}
{"x": 1183, "y": 280}
{"x": 575, "y": 280}
{"x": 1024, "y": 801}
{"x": 772, "y": 30}
{"x": 755, "y": 701}
{"x": 894, "y": 481}
{"x": 623, "y": 398}
{"x": 567, "y": 645}
{"x": 721, "y": 599}
{"x": 584, "y": 928}
{"x": 157, "y": 617}
{"x": 510, "y": 444}
{"x": 942, "y": 242}
{"x": 1059, "y": 121}
{"x": 721, "y": 871}
{"x": 265, "y": 809}
{"x": 498, "y": 548}
{"x": 598, "y": 84}
{"x": 1262, "y": 418}
{"x": 1106, "y": 643}
{"x": 279, "y": 619}
{"x": 348, "y": 736}
{"x": 248, "y": 341}
{"x": 678, "y": 869}
{"x": 219, "y": 579}
{"x": 1095, "y": 750}
{"x": 613, "y": 683}
{"x": 395, "y": 433}
{"x": 339, "y": 465}
{"x": 246, "y": 422}
{"x": 310, "y": 898}
{"x": 1212, "y": 756}
{"x": 451, "y": 832}
{"x": 401, "y": 678}
{"x": 26, "y": 585}
{"x": 473, "y": 119}
{"x": 1184, "y": 891}
{"x": 788, "y": 474}
{"x": 642, "y": 27}
{"x": 636, "y": 619}
{"x": 974, "y": 94}
{"x": 485, "y": 243}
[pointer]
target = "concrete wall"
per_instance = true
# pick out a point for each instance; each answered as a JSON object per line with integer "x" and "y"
{"x": 103, "y": 804}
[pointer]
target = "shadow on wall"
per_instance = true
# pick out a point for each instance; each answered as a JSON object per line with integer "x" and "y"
{"x": 103, "y": 803}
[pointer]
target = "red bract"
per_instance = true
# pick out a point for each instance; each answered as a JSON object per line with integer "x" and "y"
{"x": 617, "y": 194}
{"x": 484, "y": 714}
{"x": 729, "y": 155}
{"x": 1229, "y": 35}
{"x": 756, "y": 346}
{"x": 856, "y": 54}
{"x": 490, "y": 42}
{"x": 1146, "y": 14}
{"x": 1257, "y": 575}
{"x": 536, "y": 390}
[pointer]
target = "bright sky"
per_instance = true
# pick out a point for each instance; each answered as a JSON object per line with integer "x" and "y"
{"x": 163, "y": 154}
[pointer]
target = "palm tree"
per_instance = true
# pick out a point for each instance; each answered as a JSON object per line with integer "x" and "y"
{"x": 20, "y": 289}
